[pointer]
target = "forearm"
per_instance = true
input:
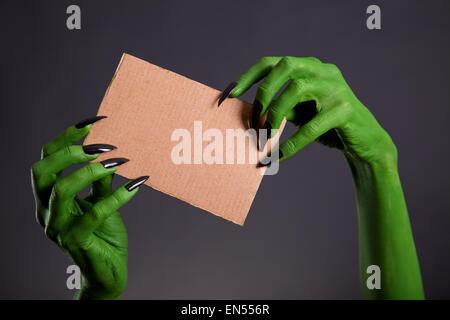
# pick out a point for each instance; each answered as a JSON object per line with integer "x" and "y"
{"x": 385, "y": 237}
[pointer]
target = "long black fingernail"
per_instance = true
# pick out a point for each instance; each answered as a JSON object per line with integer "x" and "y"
{"x": 268, "y": 128}
{"x": 98, "y": 148}
{"x": 113, "y": 162}
{"x": 226, "y": 92}
{"x": 136, "y": 183}
{"x": 260, "y": 164}
{"x": 88, "y": 121}
{"x": 266, "y": 162}
{"x": 256, "y": 111}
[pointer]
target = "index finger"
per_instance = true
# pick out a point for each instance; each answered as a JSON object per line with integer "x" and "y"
{"x": 254, "y": 74}
{"x": 69, "y": 136}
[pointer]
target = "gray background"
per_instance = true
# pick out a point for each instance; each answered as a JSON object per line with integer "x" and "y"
{"x": 300, "y": 238}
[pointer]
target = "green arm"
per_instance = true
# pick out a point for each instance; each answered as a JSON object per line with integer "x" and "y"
{"x": 385, "y": 236}
{"x": 320, "y": 103}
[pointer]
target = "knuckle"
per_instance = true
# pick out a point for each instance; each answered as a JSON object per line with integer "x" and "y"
{"x": 275, "y": 112}
{"x": 309, "y": 67}
{"x": 45, "y": 149}
{"x": 340, "y": 88}
{"x": 69, "y": 239}
{"x": 289, "y": 62}
{"x": 98, "y": 211}
{"x": 394, "y": 150}
{"x": 332, "y": 69}
{"x": 311, "y": 129}
{"x": 265, "y": 61}
{"x": 345, "y": 111}
{"x": 346, "y": 108}
{"x": 118, "y": 199}
{"x": 243, "y": 78}
{"x": 291, "y": 146}
{"x": 72, "y": 152}
{"x": 264, "y": 89}
{"x": 59, "y": 189}
{"x": 67, "y": 151}
{"x": 88, "y": 170}
{"x": 51, "y": 233}
{"x": 314, "y": 59}
{"x": 342, "y": 95}
{"x": 36, "y": 168}
{"x": 299, "y": 85}
{"x": 64, "y": 240}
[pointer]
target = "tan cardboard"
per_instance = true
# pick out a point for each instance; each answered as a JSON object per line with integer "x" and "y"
{"x": 144, "y": 105}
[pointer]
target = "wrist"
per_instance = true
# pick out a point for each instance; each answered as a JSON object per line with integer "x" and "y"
{"x": 378, "y": 188}
{"x": 374, "y": 177}
{"x": 382, "y": 158}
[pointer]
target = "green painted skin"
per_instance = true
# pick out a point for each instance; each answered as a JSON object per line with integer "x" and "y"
{"x": 338, "y": 119}
{"x": 90, "y": 231}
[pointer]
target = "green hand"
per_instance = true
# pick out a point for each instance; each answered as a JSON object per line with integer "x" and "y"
{"x": 323, "y": 107}
{"x": 90, "y": 231}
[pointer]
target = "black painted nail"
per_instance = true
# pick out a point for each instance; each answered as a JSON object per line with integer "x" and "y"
{"x": 136, "y": 183}
{"x": 226, "y": 92}
{"x": 263, "y": 164}
{"x": 268, "y": 128}
{"x": 113, "y": 162}
{"x": 260, "y": 164}
{"x": 256, "y": 111}
{"x": 98, "y": 148}
{"x": 88, "y": 121}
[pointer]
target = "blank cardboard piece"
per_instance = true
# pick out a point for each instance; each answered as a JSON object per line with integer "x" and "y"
{"x": 144, "y": 105}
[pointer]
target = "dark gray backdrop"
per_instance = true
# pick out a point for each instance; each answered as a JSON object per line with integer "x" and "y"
{"x": 300, "y": 238}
